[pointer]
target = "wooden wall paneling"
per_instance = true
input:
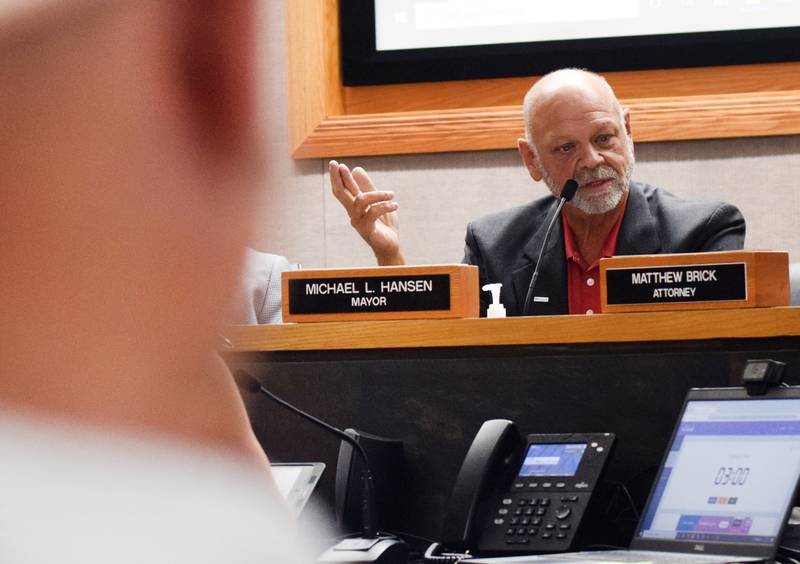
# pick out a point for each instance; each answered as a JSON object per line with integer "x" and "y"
{"x": 629, "y": 85}
{"x": 314, "y": 84}
{"x": 716, "y": 116}
{"x": 327, "y": 119}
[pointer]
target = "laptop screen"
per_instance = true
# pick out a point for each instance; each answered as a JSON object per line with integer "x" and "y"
{"x": 296, "y": 482}
{"x": 729, "y": 474}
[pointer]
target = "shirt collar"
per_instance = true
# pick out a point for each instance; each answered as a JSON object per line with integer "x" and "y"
{"x": 609, "y": 246}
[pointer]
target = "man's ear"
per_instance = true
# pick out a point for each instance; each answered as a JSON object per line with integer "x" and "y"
{"x": 218, "y": 57}
{"x": 626, "y": 115}
{"x": 526, "y": 152}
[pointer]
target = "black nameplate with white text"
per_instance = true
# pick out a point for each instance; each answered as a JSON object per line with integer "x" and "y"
{"x": 676, "y": 284}
{"x": 369, "y": 294}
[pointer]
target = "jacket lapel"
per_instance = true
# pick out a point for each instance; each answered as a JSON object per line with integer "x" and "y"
{"x": 552, "y": 281}
{"x": 638, "y": 234}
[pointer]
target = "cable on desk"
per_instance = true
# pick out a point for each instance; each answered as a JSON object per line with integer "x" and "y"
{"x": 437, "y": 553}
{"x": 404, "y": 534}
{"x": 788, "y": 552}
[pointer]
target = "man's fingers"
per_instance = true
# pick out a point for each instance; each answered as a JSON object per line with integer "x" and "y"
{"x": 347, "y": 180}
{"x": 363, "y": 180}
{"x": 376, "y": 211}
{"x": 341, "y": 180}
{"x": 356, "y": 192}
{"x": 367, "y": 200}
{"x": 337, "y": 186}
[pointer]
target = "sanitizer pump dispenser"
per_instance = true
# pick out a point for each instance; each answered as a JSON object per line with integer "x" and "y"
{"x": 496, "y": 309}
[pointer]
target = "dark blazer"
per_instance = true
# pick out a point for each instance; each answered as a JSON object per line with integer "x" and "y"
{"x": 505, "y": 245}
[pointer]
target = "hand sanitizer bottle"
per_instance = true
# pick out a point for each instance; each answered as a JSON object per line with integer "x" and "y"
{"x": 496, "y": 309}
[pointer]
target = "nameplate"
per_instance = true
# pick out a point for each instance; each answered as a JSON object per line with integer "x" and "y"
{"x": 379, "y": 293}
{"x": 437, "y": 291}
{"x": 672, "y": 284}
{"x": 730, "y": 279}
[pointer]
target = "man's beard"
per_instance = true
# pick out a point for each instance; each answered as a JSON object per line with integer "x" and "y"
{"x": 598, "y": 202}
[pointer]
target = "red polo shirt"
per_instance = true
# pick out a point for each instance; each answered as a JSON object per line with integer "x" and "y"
{"x": 583, "y": 280}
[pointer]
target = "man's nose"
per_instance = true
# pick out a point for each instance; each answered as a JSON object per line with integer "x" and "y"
{"x": 590, "y": 157}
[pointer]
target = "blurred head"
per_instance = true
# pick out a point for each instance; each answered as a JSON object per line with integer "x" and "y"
{"x": 576, "y": 128}
{"x": 130, "y": 156}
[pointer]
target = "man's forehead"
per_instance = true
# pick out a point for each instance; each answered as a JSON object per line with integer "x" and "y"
{"x": 581, "y": 96}
{"x": 565, "y": 80}
{"x": 567, "y": 89}
{"x": 571, "y": 121}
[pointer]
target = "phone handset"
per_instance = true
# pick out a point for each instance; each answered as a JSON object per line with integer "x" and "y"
{"x": 495, "y": 447}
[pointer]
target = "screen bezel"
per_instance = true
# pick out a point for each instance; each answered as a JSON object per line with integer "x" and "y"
{"x": 362, "y": 64}
{"x": 713, "y": 547}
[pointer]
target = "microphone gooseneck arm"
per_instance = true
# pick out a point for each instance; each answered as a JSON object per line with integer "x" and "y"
{"x": 567, "y": 192}
{"x": 369, "y": 529}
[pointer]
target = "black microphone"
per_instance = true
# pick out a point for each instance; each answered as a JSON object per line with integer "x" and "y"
{"x": 372, "y": 546}
{"x": 567, "y": 193}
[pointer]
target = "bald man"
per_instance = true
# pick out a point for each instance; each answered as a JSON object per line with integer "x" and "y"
{"x": 131, "y": 158}
{"x": 574, "y": 128}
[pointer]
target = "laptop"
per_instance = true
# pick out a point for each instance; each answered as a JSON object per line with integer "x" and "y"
{"x": 725, "y": 487}
{"x": 296, "y": 482}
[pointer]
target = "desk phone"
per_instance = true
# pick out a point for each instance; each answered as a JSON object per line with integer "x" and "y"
{"x": 524, "y": 495}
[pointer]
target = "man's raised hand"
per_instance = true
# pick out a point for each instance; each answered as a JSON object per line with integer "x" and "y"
{"x": 372, "y": 212}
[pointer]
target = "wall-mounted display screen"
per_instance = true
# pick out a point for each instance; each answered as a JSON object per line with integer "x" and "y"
{"x": 387, "y": 41}
{"x": 419, "y": 24}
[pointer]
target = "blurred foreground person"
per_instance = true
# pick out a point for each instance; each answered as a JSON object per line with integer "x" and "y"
{"x": 130, "y": 154}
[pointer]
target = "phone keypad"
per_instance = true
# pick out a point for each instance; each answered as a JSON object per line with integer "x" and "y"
{"x": 538, "y": 522}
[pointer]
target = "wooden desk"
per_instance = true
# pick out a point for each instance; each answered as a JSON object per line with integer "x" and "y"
{"x": 432, "y": 383}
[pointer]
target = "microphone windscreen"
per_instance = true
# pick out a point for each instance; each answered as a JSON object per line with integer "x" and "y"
{"x": 569, "y": 189}
{"x": 246, "y": 382}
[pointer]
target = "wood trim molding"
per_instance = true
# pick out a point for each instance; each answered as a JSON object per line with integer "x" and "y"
{"x": 544, "y": 330}
{"x": 327, "y": 119}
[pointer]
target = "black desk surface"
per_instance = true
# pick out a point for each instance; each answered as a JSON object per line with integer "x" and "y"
{"x": 432, "y": 384}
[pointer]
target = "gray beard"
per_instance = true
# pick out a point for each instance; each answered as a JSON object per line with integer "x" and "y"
{"x": 605, "y": 201}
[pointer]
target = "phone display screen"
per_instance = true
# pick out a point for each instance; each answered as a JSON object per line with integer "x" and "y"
{"x": 556, "y": 459}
